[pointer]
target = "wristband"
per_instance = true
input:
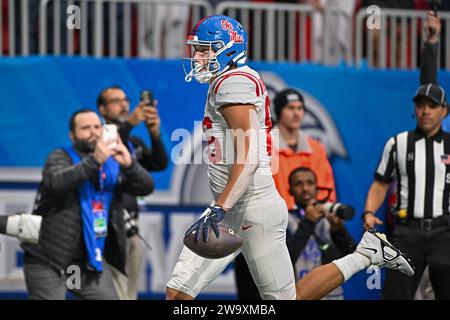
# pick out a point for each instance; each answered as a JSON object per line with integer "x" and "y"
{"x": 363, "y": 215}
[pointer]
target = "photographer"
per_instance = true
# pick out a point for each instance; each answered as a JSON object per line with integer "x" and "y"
{"x": 114, "y": 106}
{"x": 80, "y": 201}
{"x": 316, "y": 233}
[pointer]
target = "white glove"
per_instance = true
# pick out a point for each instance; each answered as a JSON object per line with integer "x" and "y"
{"x": 24, "y": 226}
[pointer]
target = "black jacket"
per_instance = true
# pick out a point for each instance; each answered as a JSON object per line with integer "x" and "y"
{"x": 429, "y": 63}
{"x": 59, "y": 204}
{"x": 154, "y": 159}
{"x": 342, "y": 242}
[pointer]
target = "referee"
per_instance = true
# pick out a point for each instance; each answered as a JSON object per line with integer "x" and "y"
{"x": 420, "y": 162}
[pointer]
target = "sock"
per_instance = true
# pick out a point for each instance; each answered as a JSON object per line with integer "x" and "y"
{"x": 351, "y": 264}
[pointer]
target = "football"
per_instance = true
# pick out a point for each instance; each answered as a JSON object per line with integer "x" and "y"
{"x": 214, "y": 248}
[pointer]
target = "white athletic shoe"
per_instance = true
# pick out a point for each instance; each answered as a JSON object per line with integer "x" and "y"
{"x": 381, "y": 253}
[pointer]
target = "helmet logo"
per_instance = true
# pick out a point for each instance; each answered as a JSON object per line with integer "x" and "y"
{"x": 234, "y": 36}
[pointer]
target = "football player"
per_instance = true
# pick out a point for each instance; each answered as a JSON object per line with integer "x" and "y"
{"x": 238, "y": 125}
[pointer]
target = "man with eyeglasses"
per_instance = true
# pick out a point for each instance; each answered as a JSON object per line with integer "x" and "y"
{"x": 114, "y": 106}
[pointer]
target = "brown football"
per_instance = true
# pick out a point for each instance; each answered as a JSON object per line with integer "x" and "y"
{"x": 214, "y": 248}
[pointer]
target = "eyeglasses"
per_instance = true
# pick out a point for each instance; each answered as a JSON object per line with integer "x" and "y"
{"x": 118, "y": 100}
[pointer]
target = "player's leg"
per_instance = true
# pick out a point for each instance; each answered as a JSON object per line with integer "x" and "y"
{"x": 174, "y": 294}
{"x": 263, "y": 229}
{"x": 193, "y": 273}
{"x": 319, "y": 282}
{"x": 373, "y": 249}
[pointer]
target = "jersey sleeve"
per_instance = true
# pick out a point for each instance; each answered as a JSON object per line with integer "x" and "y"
{"x": 238, "y": 89}
{"x": 385, "y": 170}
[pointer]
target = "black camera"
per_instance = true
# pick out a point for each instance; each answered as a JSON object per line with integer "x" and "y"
{"x": 147, "y": 97}
{"x": 343, "y": 211}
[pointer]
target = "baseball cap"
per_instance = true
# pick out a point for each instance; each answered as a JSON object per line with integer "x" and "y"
{"x": 433, "y": 92}
{"x": 284, "y": 97}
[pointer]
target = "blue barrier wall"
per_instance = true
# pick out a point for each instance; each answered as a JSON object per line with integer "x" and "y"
{"x": 39, "y": 94}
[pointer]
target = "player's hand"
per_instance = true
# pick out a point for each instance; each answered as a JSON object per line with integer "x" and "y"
{"x": 432, "y": 22}
{"x": 370, "y": 221}
{"x": 313, "y": 212}
{"x": 210, "y": 218}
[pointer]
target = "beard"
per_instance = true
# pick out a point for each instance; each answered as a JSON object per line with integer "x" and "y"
{"x": 84, "y": 146}
{"x": 119, "y": 120}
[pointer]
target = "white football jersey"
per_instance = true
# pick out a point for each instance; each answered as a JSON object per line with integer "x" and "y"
{"x": 238, "y": 86}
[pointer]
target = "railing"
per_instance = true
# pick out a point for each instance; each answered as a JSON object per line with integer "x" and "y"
{"x": 284, "y": 32}
{"x": 397, "y": 43}
{"x": 152, "y": 28}
{"x": 14, "y": 36}
{"x": 148, "y": 28}
{"x": 157, "y": 28}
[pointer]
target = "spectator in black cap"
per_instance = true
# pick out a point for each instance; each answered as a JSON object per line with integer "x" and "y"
{"x": 420, "y": 162}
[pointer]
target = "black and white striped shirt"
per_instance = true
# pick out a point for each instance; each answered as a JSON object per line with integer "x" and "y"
{"x": 421, "y": 166}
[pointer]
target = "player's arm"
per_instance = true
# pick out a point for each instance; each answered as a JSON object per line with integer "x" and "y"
{"x": 243, "y": 121}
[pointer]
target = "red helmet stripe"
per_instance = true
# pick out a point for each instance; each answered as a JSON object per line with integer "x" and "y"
{"x": 199, "y": 23}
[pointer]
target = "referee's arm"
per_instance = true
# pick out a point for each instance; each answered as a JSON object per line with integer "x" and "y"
{"x": 380, "y": 186}
{"x": 375, "y": 198}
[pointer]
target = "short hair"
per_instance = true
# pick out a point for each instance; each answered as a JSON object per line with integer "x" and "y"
{"x": 101, "y": 100}
{"x": 300, "y": 169}
{"x": 74, "y": 115}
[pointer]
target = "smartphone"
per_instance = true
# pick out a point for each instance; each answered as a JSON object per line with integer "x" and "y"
{"x": 110, "y": 134}
{"x": 147, "y": 97}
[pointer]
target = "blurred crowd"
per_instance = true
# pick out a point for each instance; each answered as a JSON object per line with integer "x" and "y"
{"x": 158, "y": 30}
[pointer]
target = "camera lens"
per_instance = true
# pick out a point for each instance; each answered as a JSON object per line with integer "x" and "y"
{"x": 345, "y": 212}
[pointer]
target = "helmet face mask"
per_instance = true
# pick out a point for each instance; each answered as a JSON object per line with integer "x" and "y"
{"x": 216, "y": 44}
{"x": 201, "y": 61}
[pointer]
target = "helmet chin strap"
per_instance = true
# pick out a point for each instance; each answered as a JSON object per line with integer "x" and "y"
{"x": 202, "y": 77}
{"x": 240, "y": 58}
{"x": 191, "y": 74}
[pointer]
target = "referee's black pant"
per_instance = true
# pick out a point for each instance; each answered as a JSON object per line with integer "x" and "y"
{"x": 423, "y": 247}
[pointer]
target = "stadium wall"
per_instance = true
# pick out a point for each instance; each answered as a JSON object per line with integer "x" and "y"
{"x": 353, "y": 111}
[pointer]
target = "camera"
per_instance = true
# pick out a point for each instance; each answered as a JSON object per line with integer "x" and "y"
{"x": 343, "y": 211}
{"x": 147, "y": 97}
